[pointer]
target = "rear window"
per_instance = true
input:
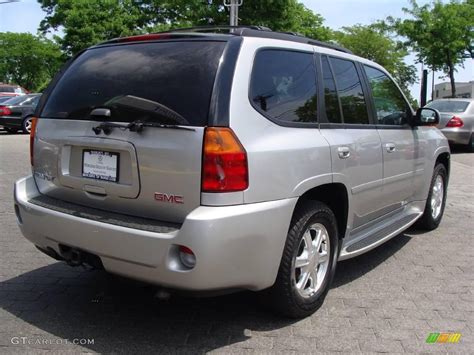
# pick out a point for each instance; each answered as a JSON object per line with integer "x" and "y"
{"x": 17, "y": 100}
{"x": 449, "y": 106}
{"x": 178, "y": 75}
{"x": 7, "y": 89}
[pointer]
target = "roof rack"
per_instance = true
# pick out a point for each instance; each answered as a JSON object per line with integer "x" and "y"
{"x": 244, "y": 31}
{"x": 236, "y": 30}
{"x": 259, "y": 31}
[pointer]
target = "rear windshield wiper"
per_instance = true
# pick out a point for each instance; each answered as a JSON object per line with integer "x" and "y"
{"x": 135, "y": 103}
{"x": 135, "y": 126}
{"x": 172, "y": 119}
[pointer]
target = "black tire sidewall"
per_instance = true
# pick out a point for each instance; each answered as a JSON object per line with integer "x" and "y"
{"x": 334, "y": 251}
{"x": 283, "y": 295}
{"x": 427, "y": 221}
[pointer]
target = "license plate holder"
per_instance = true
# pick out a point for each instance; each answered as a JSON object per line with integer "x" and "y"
{"x": 100, "y": 165}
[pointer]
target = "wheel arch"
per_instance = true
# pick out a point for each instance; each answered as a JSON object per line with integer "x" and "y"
{"x": 445, "y": 159}
{"x": 335, "y": 196}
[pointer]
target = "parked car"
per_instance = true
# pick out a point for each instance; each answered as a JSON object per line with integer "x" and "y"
{"x": 4, "y": 98}
{"x": 223, "y": 161}
{"x": 457, "y": 120}
{"x": 17, "y": 113}
{"x": 12, "y": 90}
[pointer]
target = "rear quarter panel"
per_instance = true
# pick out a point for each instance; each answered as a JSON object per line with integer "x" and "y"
{"x": 283, "y": 162}
{"x": 436, "y": 144}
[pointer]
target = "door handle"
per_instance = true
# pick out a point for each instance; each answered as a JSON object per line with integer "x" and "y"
{"x": 390, "y": 147}
{"x": 344, "y": 152}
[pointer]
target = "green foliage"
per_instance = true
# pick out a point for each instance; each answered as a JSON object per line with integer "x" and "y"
{"x": 28, "y": 60}
{"x": 442, "y": 34}
{"x": 86, "y": 23}
{"x": 374, "y": 43}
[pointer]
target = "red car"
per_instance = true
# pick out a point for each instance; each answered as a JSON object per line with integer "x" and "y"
{"x": 12, "y": 90}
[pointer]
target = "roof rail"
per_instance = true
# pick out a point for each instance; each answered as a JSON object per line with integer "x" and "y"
{"x": 221, "y": 29}
{"x": 262, "y": 32}
{"x": 244, "y": 31}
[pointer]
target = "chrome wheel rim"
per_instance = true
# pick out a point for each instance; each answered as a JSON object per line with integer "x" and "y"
{"x": 437, "y": 197}
{"x": 311, "y": 262}
{"x": 28, "y": 125}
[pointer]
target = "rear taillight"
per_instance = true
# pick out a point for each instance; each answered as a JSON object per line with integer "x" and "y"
{"x": 34, "y": 122}
{"x": 455, "y": 122}
{"x": 5, "y": 111}
{"x": 224, "y": 162}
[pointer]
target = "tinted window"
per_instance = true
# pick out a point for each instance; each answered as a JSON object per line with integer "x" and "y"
{"x": 17, "y": 100}
{"x": 333, "y": 112}
{"x": 390, "y": 105}
{"x": 7, "y": 89}
{"x": 284, "y": 85}
{"x": 30, "y": 100}
{"x": 35, "y": 100}
{"x": 349, "y": 88}
{"x": 125, "y": 78}
{"x": 449, "y": 106}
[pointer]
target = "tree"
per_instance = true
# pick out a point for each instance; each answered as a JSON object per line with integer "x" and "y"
{"x": 86, "y": 23}
{"x": 27, "y": 60}
{"x": 441, "y": 34}
{"x": 374, "y": 43}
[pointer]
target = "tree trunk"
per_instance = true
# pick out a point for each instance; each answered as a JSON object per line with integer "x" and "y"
{"x": 451, "y": 75}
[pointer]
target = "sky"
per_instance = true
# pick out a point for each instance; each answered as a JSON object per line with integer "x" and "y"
{"x": 25, "y": 16}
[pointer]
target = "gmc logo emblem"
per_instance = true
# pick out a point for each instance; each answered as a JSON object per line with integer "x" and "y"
{"x": 168, "y": 198}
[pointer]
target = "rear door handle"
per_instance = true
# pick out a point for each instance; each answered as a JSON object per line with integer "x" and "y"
{"x": 390, "y": 147}
{"x": 344, "y": 152}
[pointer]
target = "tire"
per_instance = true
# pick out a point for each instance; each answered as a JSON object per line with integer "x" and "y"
{"x": 26, "y": 124}
{"x": 431, "y": 217}
{"x": 10, "y": 130}
{"x": 285, "y": 297}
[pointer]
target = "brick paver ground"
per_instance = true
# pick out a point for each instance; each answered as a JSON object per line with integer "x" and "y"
{"x": 388, "y": 300}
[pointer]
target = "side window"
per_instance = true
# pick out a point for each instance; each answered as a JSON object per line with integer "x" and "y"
{"x": 390, "y": 104}
{"x": 283, "y": 85}
{"x": 333, "y": 112}
{"x": 349, "y": 88}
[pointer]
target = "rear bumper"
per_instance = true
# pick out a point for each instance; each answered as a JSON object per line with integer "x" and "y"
{"x": 457, "y": 135}
{"x": 10, "y": 122}
{"x": 235, "y": 246}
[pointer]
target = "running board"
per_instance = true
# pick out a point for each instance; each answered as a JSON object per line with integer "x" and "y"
{"x": 368, "y": 240}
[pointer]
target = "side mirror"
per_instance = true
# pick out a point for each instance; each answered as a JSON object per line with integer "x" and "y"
{"x": 426, "y": 116}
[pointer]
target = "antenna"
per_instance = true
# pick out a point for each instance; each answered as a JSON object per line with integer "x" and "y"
{"x": 233, "y": 6}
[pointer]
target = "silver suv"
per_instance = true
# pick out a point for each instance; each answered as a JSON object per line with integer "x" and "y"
{"x": 208, "y": 160}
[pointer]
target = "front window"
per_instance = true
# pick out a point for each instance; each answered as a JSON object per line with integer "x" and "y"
{"x": 390, "y": 105}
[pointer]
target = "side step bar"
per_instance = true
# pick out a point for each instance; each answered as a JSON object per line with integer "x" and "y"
{"x": 367, "y": 240}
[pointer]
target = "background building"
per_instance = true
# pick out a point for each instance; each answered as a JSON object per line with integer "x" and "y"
{"x": 464, "y": 90}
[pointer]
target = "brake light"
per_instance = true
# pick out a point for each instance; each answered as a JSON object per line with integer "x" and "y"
{"x": 455, "y": 122}
{"x": 34, "y": 122}
{"x": 5, "y": 111}
{"x": 146, "y": 37}
{"x": 224, "y": 163}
